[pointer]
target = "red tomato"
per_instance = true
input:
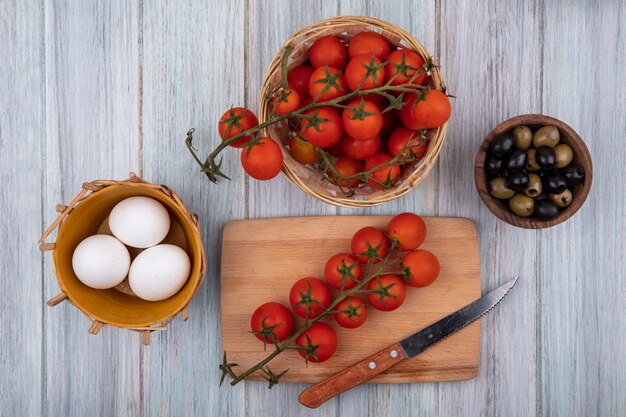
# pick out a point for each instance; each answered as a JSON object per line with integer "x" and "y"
{"x": 376, "y": 99}
{"x": 285, "y": 101}
{"x": 369, "y": 242}
{"x": 360, "y": 149}
{"x": 336, "y": 149}
{"x": 389, "y": 120}
{"x": 342, "y": 266}
{"x": 431, "y": 110}
{"x": 405, "y": 64}
{"x": 263, "y": 159}
{"x": 422, "y": 268}
{"x": 298, "y": 79}
{"x": 240, "y": 119}
{"x": 307, "y": 101}
{"x": 328, "y": 51}
{"x": 384, "y": 177}
{"x": 361, "y": 71}
{"x": 318, "y": 343}
{"x": 277, "y": 319}
{"x": 351, "y": 312}
{"x": 408, "y": 229}
{"x": 323, "y": 128}
{"x": 362, "y": 119}
{"x": 368, "y": 43}
{"x": 388, "y": 292}
{"x": 312, "y": 290}
{"x": 347, "y": 167}
{"x": 417, "y": 145}
{"x": 326, "y": 83}
{"x": 302, "y": 151}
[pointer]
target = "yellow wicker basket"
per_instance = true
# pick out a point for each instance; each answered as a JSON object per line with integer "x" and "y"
{"x": 87, "y": 215}
{"x": 309, "y": 179}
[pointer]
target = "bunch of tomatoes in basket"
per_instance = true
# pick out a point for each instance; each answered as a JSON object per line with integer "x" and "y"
{"x": 356, "y": 283}
{"x": 359, "y": 112}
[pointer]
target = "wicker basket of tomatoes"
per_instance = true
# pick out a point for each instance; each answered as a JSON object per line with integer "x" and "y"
{"x": 353, "y": 111}
{"x": 405, "y": 113}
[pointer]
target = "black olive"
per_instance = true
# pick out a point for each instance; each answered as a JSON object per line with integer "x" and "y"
{"x": 516, "y": 161}
{"x": 502, "y": 145}
{"x": 517, "y": 180}
{"x": 574, "y": 174}
{"x": 545, "y": 209}
{"x": 545, "y": 157}
{"x": 494, "y": 166}
{"x": 555, "y": 183}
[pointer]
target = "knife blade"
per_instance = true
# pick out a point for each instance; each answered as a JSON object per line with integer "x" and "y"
{"x": 407, "y": 348}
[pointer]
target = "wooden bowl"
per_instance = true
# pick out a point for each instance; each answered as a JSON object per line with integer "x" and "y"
{"x": 118, "y": 307}
{"x": 568, "y": 136}
{"x": 306, "y": 177}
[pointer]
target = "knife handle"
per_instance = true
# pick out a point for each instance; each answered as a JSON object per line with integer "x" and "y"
{"x": 358, "y": 373}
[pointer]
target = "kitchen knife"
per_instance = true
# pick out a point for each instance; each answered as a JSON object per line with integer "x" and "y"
{"x": 407, "y": 348}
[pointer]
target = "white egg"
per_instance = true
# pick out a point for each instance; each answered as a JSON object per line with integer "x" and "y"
{"x": 101, "y": 261}
{"x": 139, "y": 222}
{"x": 159, "y": 272}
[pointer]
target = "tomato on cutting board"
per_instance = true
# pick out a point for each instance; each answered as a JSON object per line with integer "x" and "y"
{"x": 277, "y": 319}
{"x": 311, "y": 290}
{"x": 422, "y": 268}
{"x": 318, "y": 343}
{"x": 351, "y": 312}
{"x": 340, "y": 267}
{"x": 369, "y": 243}
{"x": 408, "y": 229}
{"x": 387, "y": 292}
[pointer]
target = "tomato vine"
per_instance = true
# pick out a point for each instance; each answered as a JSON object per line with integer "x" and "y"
{"x": 393, "y": 92}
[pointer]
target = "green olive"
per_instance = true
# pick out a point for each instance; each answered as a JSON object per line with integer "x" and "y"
{"x": 561, "y": 200}
{"x": 531, "y": 162}
{"x": 498, "y": 189}
{"x": 522, "y": 205}
{"x": 534, "y": 187}
{"x": 563, "y": 154}
{"x": 546, "y": 136}
{"x": 523, "y": 137}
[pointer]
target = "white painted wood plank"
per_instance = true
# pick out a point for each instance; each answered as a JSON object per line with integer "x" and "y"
{"x": 420, "y": 20}
{"x": 581, "y": 263}
{"x": 491, "y": 57}
{"x": 22, "y": 128}
{"x": 402, "y": 399}
{"x": 270, "y": 25}
{"x": 92, "y": 109}
{"x": 192, "y": 55}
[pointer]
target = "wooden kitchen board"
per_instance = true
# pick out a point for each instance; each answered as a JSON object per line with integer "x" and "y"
{"x": 261, "y": 259}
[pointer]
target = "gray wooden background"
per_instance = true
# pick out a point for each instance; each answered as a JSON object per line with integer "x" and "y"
{"x": 95, "y": 89}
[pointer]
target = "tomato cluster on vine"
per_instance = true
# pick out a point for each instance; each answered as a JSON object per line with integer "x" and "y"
{"x": 356, "y": 283}
{"x": 359, "y": 112}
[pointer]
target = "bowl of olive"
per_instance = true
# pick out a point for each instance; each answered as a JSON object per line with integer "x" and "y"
{"x": 533, "y": 171}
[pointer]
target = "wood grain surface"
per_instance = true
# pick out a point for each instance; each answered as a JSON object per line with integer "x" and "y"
{"x": 96, "y": 89}
{"x": 261, "y": 259}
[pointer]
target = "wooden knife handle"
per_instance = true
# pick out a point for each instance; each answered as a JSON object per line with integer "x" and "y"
{"x": 350, "y": 377}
